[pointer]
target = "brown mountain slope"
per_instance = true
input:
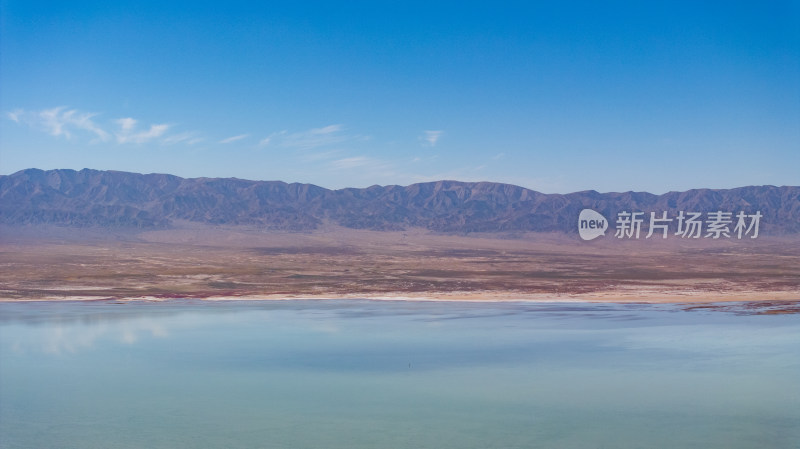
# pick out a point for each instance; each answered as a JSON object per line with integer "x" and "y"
{"x": 121, "y": 199}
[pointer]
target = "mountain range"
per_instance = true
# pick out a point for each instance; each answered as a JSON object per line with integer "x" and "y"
{"x": 94, "y": 198}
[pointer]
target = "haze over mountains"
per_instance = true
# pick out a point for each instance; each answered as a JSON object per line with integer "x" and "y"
{"x": 88, "y": 198}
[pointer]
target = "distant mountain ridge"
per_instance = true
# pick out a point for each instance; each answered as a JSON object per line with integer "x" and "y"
{"x": 122, "y": 199}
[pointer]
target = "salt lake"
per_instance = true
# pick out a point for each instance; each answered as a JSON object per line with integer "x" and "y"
{"x": 396, "y": 374}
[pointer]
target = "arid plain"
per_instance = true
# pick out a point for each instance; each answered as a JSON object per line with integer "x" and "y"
{"x": 53, "y": 263}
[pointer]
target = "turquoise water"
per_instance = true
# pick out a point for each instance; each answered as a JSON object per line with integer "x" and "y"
{"x": 385, "y": 374}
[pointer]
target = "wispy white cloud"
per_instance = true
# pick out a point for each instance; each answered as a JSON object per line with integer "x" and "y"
{"x": 234, "y": 138}
{"x": 430, "y": 138}
{"x": 128, "y": 134}
{"x": 361, "y": 165}
{"x": 309, "y": 139}
{"x": 14, "y": 115}
{"x": 127, "y": 124}
{"x": 351, "y": 162}
{"x": 189, "y": 138}
{"x": 326, "y": 129}
{"x": 68, "y": 123}
{"x": 271, "y": 138}
{"x": 60, "y": 122}
{"x": 314, "y": 138}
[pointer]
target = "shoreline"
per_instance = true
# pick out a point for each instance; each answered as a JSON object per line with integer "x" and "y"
{"x": 611, "y": 297}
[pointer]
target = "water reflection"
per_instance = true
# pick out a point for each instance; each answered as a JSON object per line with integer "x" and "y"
{"x": 395, "y": 374}
{"x": 70, "y": 337}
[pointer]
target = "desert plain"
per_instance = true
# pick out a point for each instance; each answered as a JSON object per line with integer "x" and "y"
{"x": 207, "y": 262}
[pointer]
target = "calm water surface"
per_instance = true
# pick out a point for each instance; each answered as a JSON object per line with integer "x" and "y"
{"x": 374, "y": 374}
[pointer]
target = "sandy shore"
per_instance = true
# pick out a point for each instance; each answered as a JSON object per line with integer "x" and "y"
{"x": 646, "y": 297}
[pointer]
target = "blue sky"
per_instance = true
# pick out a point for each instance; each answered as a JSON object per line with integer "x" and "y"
{"x": 553, "y": 96}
